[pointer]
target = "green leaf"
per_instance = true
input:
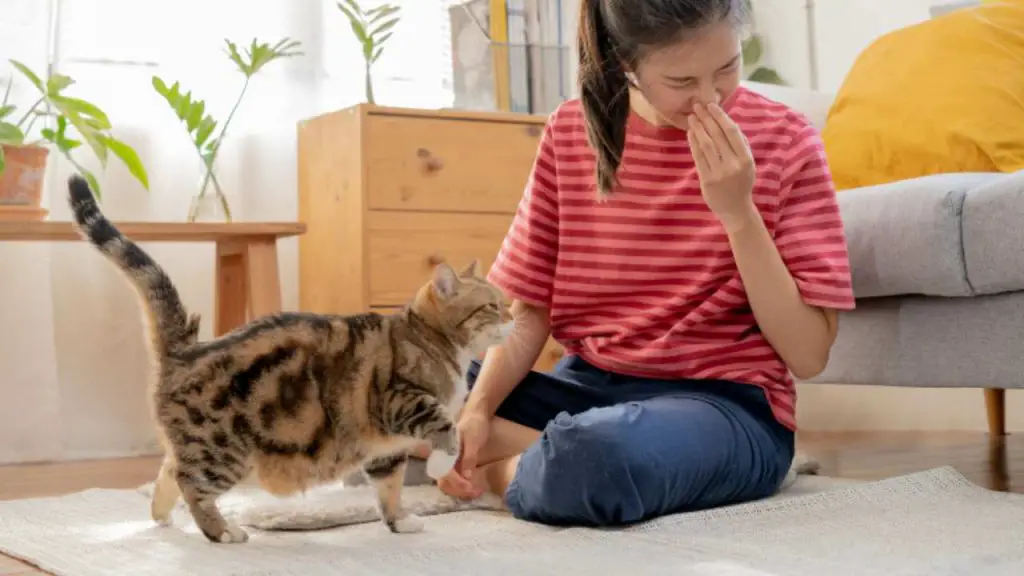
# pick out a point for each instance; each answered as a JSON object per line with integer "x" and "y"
{"x": 62, "y": 125}
{"x": 359, "y": 31}
{"x": 237, "y": 58}
{"x": 206, "y": 127}
{"x": 284, "y": 46}
{"x": 69, "y": 105}
{"x": 160, "y": 86}
{"x": 752, "y": 50}
{"x": 183, "y": 109}
{"x": 353, "y": 6}
{"x": 383, "y": 28}
{"x": 30, "y": 75}
{"x": 352, "y": 18}
{"x": 89, "y": 134}
{"x": 380, "y": 41}
{"x": 10, "y": 134}
{"x": 382, "y": 11}
{"x": 259, "y": 54}
{"x": 3, "y": 163}
{"x": 766, "y": 76}
{"x": 56, "y": 83}
{"x": 58, "y": 138}
{"x": 195, "y": 115}
{"x": 93, "y": 183}
{"x": 130, "y": 159}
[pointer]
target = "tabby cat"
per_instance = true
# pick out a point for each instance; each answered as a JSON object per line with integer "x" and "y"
{"x": 301, "y": 399}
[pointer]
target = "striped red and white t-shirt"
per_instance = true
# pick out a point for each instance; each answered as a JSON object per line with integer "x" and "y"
{"x": 645, "y": 283}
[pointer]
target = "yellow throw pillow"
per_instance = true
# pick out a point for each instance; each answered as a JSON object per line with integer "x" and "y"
{"x": 945, "y": 95}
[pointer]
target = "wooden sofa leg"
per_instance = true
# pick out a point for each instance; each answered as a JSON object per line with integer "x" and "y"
{"x": 995, "y": 403}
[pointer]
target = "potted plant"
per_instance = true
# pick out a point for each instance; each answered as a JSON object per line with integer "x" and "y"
{"x": 372, "y": 28}
{"x": 201, "y": 126}
{"x": 23, "y": 157}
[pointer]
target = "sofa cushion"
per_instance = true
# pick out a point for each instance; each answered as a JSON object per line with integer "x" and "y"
{"x": 906, "y": 237}
{"x": 993, "y": 235}
{"x": 941, "y": 96}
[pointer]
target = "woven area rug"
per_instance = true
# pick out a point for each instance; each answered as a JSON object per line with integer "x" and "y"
{"x": 933, "y": 523}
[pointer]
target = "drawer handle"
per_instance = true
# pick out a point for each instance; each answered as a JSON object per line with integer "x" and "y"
{"x": 431, "y": 163}
{"x": 435, "y": 259}
{"x": 533, "y": 131}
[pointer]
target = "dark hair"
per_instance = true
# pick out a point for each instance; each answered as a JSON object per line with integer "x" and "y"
{"x": 617, "y": 32}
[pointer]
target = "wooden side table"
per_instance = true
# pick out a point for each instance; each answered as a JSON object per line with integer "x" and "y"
{"x": 247, "y": 282}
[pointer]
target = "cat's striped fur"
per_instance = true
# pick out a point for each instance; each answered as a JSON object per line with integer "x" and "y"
{"x": 300, "y": 399}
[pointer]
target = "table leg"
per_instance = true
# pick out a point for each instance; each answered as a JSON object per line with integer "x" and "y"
{"x": 230, "y": 290}
{"x": 264, "y": 282}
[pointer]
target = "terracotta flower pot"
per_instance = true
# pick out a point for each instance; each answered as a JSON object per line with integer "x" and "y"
{"x": 21, "y": 183}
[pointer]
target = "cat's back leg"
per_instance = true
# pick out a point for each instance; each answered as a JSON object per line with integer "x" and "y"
{"x": 165, "y": 492}
{"x": 201, "y": 485}
{"x": 210, "y": 461}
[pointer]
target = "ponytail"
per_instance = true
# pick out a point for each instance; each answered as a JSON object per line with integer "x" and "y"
{"x": 603, "y": 93}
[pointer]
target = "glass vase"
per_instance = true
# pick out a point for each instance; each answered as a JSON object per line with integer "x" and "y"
{"x": 209, "y": 204}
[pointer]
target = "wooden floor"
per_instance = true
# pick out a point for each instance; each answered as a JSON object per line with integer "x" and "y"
{"x": 997, "y": 465}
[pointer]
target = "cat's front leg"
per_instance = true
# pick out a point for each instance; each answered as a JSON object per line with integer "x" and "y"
{"x": 433, "y": 423}
{"x": 386, "y": 474}
{"x": 445, "y": 453}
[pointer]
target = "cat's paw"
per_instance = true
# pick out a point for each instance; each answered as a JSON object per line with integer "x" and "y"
{"x": 440, "y": 463}
{"x": 804, "y": 463}
{"x": 408, "y": 524}
{"x": 233, "y": 534}
{"x": 163, "y": 521}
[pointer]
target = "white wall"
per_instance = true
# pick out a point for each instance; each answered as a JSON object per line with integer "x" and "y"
{"x": 840, "y": 29}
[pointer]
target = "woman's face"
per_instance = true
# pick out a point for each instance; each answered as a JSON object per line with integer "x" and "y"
{"x": 705, "y": 67}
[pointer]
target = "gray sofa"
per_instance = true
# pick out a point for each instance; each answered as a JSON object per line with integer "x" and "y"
{"x": 938, "y": 273}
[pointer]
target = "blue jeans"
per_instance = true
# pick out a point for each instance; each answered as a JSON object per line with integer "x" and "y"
{"x": 617, "y": 449}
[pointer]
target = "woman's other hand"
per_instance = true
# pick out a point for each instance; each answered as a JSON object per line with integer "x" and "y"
{"x": 473, "y": 428}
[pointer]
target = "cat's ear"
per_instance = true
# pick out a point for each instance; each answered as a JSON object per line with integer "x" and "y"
{"x": 471, "y": 270}
{"x": 445, "y": 281}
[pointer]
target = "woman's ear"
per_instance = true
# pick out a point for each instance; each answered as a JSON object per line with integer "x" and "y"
{"x": 631, "y": 77}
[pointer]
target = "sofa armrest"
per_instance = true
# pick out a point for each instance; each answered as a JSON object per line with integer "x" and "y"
{"x": 906, "y": 237}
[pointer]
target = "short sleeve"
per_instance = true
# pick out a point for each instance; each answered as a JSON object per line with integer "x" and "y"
{"x": 809, "y": 234}
{"x": 525, "y": 265}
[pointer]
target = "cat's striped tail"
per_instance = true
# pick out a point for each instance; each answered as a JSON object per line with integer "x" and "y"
{"x": 170, "y": 326}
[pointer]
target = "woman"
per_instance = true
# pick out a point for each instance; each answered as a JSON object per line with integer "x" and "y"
{"x": 679, "y": 235}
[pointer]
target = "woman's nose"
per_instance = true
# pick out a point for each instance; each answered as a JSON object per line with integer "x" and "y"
{"x": 708, "y": 95}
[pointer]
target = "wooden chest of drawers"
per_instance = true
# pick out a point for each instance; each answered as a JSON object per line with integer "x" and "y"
{"x": 388, "y": 193}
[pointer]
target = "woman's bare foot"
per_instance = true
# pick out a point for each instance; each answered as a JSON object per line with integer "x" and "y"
{"x": 457, "y": 485}
{"x": 494, "y": 478}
